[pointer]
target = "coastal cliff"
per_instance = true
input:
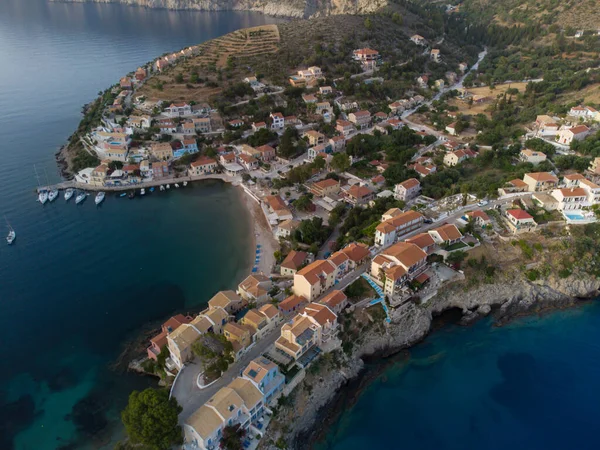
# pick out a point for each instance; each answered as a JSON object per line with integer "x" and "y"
{"x": 282, "y": 8}
{"x": 410, "y": 324}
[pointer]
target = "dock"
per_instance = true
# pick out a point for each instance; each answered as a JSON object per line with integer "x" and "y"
{"x": 147, "y": 184}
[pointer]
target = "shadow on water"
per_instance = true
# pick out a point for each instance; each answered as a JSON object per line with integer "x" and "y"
{"x": 14, "y": 417}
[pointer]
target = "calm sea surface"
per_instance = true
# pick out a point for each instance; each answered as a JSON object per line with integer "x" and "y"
{"x": 81, "y": 280}
{"x": 530, "y": 385}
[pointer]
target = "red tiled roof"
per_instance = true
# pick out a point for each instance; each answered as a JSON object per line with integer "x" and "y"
{"x": 519, "y": 214}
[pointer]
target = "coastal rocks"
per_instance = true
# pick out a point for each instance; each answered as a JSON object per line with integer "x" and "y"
{"x": 281, "y": 8}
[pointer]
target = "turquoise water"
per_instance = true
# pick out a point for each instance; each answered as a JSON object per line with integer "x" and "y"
{"x": 530, "y": 385}
{"x": 80, "y": 281}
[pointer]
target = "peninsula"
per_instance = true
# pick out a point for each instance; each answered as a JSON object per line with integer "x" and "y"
{"x": 400, "y": 168}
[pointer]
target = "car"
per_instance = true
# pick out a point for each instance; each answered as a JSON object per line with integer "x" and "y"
{"x": 428, "y": 221}
{"x": 482, "y": 203}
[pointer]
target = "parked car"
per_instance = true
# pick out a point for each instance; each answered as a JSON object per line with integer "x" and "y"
{"x": 482, "y": 203}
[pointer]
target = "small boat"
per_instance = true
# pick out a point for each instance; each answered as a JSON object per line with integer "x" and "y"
{"x": 11, "y": 233}
{"x": 184, "y": 183}
{"x": 142, "y": 191}
{"x": 176, "y": 185}
{"x": 162, "y": 188}
{"x": 99, "y": 197}
{"x": 151, "y": 189}
{"x": 43, "y": 197}
{"x": 131, "y": 195}
{"x": 68, "y": 194}
{"x": 80, "y": 198}
{"x": 168, "y": 186}
{"x": 123, "y": 194}
{"x": 52, "y": 195}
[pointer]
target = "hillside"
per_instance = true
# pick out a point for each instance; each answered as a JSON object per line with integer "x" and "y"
{"x": 285, "y": 8}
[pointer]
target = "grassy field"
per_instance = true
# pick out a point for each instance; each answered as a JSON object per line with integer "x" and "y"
{"x": 215, "y": 56}
{"x": 590, "y": 94}
{"x": 481, "y": 108}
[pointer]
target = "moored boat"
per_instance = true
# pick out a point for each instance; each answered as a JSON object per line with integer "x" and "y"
{"x": 184, "y": 183}
{"x": 142, "y": 191}
{"x": 80, "y": 198}
{"x": 151, "y": 189}
{"x": 52, "y": 195}
{"x": 168, "y": 186}
{"x": 99, "y": 197}
{"x": 68, "y": 194}
{"x": 11, "y": 233}
{"x": 43, "y": 197}
{"x": 131, "y": 195}
{"x": 176, "y": 185}
{"x": 162, "y": 188}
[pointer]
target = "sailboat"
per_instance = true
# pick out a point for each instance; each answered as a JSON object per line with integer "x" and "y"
{"x": 11, "y": 233}
{"x": 142, "y": 191}
{"x": 52, "y": 195}
{"x": 184, "y": 183}
{"x": 100, "y": 197}
{"x": 68, "y": 194}
{"x": 42, "y": 193}
{"x": 80, "y": 197}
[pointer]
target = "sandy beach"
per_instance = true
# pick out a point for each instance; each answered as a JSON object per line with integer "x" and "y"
{"x": 263, "y": 235}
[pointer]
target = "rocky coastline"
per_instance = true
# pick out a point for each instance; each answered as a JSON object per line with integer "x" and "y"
{"x": 503, "y": 301}
{"x": 277, "y": 8}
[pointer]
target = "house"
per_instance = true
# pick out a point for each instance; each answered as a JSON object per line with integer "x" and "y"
{"x": 202, "y": 166}
{"x": 336, "y": 301}
{"x": 446, "y": 234}
{"x": 361, "y": 119}
{"x": 236, "y": 123}
{"x": 517, "y": 185}
{"x": 240, "y": 335}
{"x": 423, "y": 81}
{"x": 451, "y": 129}
{"x": 325, "y": 90}
{"x": 202, "y": 124}
{"x": 479, "y": 217}
{"x": 424, "y": 241}
{"x": 130, "y": 169}
{"x": 241, "y": 402}
{"x": 394, "y": 267}
{"x": 595, "y": 166}
{"x": 292, "y": 121}
{"x": 230, "y": 301}
{"x": 157, "y": 343}
{"x": 272, "y": 314}
{"x": 188, "y": 128}
{"x": 98, "y": 175}
{"x": 255, "y": 288}
{"x": 248, "y": 162}
{"x": 324, "y": 316}
{"x": 309, "y": 98}
{"x": 378, "y": 180}
{"x": 344, "y": 127}
{"x": 266, "y": 153}
{"x": 227, "y": 158}
{"x": 277, "y": 121}
{"x": 570, "y": 198}
{"x": 258, "y": 322}
{"x": 402, "y": 223}
{"x": 140, "y": 74}
{"x": 355, "y": 255}
{"x": 188, "y": 145}
{"x": 125, "y": 83}
{"x": 440, "y": 83}
{"x": 540, "y": 181}
{"x": 178, "y": 110}
{"x": 358, "y": 195}
{"x": 139, "y": 122}
{"x": 435, "y": 55}
{"x": 532, "y": 156}
{"x": 407, "y": 190}
{"x": 298, "y": 336}
{"x": 278, "y": 208}
{"x": 314, "y": 137}
{"x": 573, "y": 179}
{"x": 323, "y": 108}
{"x": 592, "y": 190}
{"x": 456, "y": 157}
{"x": 160, "y": 169}
{"x": 259, "y": 126}
{"x": 292, "y": 304}
{"x": 162, "y": 151}
{"x": 179, "y": 343}
{"x": 417, "y": 39}
{"x": 520, "y": 221}
{"x": 337, "y": 143}
{"x": 545, "y": 200}
{"x": 367, "y": 57}
{"x": 265, "y": 375}
{"x": 167, "y": 127}
{"x": 211, "y": 320}
{"x": 287, "y": 227}
{"x": 586, "y": 112}
{"x": 325, "y": 187}
{"x": 566, "y": 136}
{"x": 314, "y": 279}
{"x": 463, "y": 67}
{"x": 293, "y": 262}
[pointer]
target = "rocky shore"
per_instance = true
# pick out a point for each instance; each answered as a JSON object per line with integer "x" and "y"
{"x": 504, "y": 300}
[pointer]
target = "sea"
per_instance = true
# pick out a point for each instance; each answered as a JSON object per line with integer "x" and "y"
{"x": 532, "y": 384}
{"x": 81, "y": 282}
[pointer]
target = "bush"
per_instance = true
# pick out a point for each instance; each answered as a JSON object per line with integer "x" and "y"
{"x": 532, "y": 275}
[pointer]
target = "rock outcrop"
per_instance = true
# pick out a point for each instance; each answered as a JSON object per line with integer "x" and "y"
{"x": 411, "y": 323}
{"x": 283, "y": 8}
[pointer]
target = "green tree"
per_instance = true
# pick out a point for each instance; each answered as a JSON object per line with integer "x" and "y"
{"x": 232, "y": 437}
{"x": 303, "y": 203}
{"x": 150, "y": 419}
{"x": 340, "y": 162}
{"x": 115, "y": 165}
{"x": 456, "y": 257}
{"x": 179, "y": 78}
{"x": 368, "y": 24}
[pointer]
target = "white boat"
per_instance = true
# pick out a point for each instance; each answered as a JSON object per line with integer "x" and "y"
{"x": 162, "y": 188}
{"x": 168, "y": 186}
{"x": 43, "y": 197}
{"x": 99, "y": 197}
{"x": 80, "y": 197}
{"x": 52, "y": 195}
{"x": 11, "y": 233}
{"x": 176, "y": 185}
{"x": 68, "y": 194}
{"x": 184, "y": 183}
{"x": 143, "y": 191}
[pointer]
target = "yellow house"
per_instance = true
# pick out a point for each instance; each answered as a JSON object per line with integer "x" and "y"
{"x": 240, "y": 335}
{"x": 257, "y": 320}
{"x": 162, "y": 151}
{"x": 180, "y": 343}
{"x": 98, "y": 175}
{"x": 314, "y": 279}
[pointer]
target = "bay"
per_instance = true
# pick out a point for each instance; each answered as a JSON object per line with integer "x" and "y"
{"x": 82, "y": 280}
{"x": 529, "y": 385}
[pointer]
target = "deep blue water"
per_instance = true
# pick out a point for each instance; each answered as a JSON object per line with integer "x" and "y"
{"x": 530, "y": 385}
{"x": 81, "y": 281}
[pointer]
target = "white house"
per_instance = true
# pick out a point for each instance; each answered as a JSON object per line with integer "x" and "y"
{"x": 570, "y": 198}
{"x": 277, "y": 121}
{"x": 531, "y": 156}
{"x": 178, "y": 110}
{"x": 566, "y": 136}
{"x": 407, "y": 190}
